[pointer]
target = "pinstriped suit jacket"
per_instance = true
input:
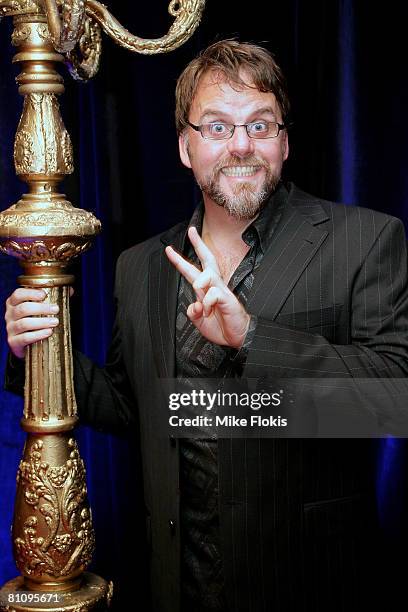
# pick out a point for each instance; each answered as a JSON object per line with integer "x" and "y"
{"x": 331, "y": 299}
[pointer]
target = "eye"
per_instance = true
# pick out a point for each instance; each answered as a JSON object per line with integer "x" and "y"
{"x": 259, "y": 127}
{"x": 217, "y": 129}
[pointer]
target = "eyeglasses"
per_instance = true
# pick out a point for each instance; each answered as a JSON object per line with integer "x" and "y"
{"x": 221, "y": 131}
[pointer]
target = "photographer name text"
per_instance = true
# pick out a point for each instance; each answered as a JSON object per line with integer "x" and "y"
{"x": 227, "y": 421}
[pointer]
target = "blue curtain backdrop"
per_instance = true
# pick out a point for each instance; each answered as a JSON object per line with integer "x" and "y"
{"x": 346, "y": 67}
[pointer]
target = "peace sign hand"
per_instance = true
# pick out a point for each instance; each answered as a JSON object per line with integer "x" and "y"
{"x": 217, "y": 313}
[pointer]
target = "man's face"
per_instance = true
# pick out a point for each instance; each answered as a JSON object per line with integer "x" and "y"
{"x": 240, "y": 173}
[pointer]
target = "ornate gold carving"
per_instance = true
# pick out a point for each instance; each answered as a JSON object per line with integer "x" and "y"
{"x": 20, "y": 33}
{"x": 18, "y": 7}
{"x": 44, "y": 33}
{"x": 67, "y": 154}
{"x": 49, "y": 387}
{"x": 74, "y": 31}
{"x": 58, "y": 537}
{"x": 23, "y": 152}
{"x": 66, "y": 25}
{"x": 109, "y": 594}
{"x": 42, "y": 144}
{"x": 66, "y": 223}
{"x": 187, "y": 12}
{"x": 41, "y": 251}
{"x": 57, "y": 216}
{"x": 83, "y": 61}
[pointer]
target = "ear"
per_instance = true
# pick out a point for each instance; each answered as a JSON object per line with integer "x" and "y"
{"x": 285, "y": 146}
{"x": 183, "y": 149}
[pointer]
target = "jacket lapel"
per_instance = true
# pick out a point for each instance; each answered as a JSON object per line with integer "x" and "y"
{"x": 298, "y": 237}
{"x": 163, "y": 288}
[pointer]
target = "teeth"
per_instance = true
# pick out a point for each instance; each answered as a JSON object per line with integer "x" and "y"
{"x": 240, "y": 170}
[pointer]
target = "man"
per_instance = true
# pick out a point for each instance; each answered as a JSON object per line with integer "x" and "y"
{"x": 264, "y": 280}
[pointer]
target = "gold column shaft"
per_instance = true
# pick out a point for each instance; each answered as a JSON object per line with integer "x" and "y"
{"x": 52, "y": 532}
{"x": 49, "y": 401}
{"x": 53, "y": 538}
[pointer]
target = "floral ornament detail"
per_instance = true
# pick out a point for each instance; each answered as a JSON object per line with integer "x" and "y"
{"x": 58, "y": 538}
{"x": 23, "y": 152}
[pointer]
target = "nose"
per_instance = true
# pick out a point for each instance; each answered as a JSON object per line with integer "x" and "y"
{"x": 240, "y": 144}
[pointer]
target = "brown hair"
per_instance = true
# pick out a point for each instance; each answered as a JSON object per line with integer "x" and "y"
{"x": 229, "y": 57}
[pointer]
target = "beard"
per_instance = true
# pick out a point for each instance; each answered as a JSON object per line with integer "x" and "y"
{"x": 246, "y": 200}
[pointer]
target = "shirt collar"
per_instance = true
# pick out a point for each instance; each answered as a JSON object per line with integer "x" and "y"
{"x": 265, "y": 223}
{"x": 261, "y": 228}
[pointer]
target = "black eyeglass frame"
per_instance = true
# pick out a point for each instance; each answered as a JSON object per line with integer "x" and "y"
{"x": 198, "y": 128}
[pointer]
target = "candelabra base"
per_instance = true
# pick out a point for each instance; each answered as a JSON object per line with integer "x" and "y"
{"x": 94, "y": 594}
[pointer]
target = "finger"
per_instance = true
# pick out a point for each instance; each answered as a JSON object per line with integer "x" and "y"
{"x": 19, "y": 343}
{"x": 71, "y": 291}
{"x": 208, "y": 278}
{"x": 22, "y": 326}
{"x": 185, "y": 268}
{"x": 22, "y": 294}
{"x": 30, "y": 309}
{"x": 212, "y": 297}
{"x": 203, "y": 252}
{"x": 195, "y": 311}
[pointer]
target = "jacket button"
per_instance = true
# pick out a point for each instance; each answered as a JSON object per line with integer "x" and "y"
{"x": 172, "y": 527}
{"x": 172, "y": 441}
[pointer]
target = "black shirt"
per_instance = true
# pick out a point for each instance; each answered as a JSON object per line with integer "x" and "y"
{"x": 202, "y": 576}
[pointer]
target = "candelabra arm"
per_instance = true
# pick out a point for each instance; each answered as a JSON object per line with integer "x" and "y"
{"x": 65, "y": 28}
{"x": 187, "y": 13}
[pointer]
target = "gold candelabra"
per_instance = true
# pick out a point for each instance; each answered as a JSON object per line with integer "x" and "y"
{"x": 53, "y": 538}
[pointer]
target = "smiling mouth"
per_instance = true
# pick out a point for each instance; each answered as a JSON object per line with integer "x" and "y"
{"x": 240, "y": 170}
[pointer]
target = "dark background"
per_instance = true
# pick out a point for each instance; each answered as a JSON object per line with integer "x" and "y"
{"x": 346, "y": 67}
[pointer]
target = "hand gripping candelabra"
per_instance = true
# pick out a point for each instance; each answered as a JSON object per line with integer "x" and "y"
{"x": 52, "y": 533}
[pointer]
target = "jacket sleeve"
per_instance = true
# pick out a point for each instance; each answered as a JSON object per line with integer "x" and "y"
{"x": 103, "y": 395}
{"x": 378, "y": 324}
{"x": 14, "y": 375}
